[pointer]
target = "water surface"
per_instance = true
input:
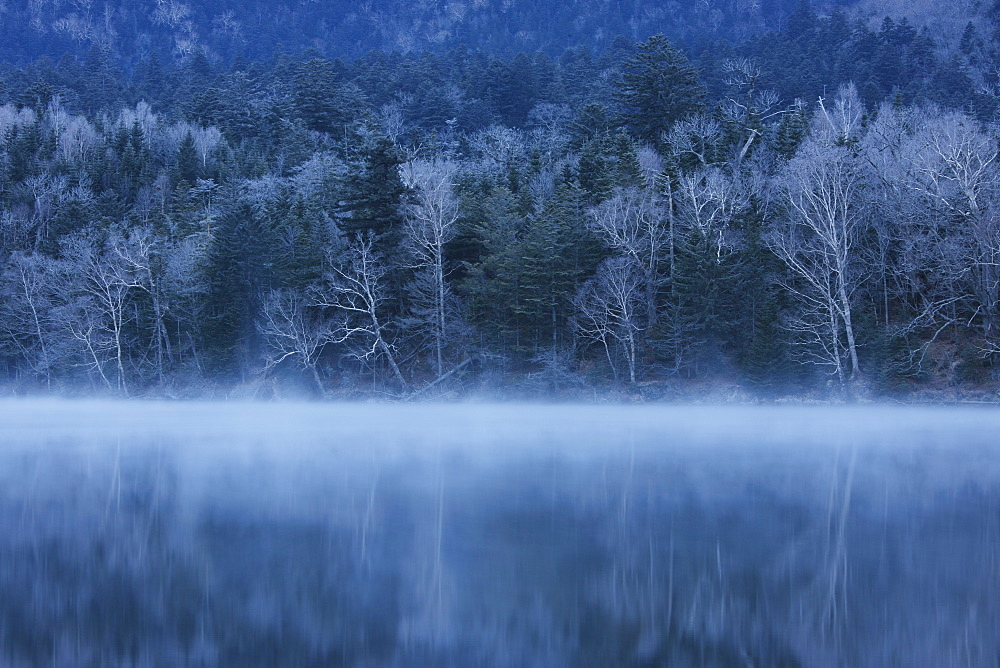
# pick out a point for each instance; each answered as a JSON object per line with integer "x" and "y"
{"x": 135, "y": 533}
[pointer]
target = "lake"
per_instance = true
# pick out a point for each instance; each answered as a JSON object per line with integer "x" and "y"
{"x": 236, "y": 534}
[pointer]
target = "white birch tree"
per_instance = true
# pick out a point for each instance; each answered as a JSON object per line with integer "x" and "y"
{"x": 633, "y": 224}
{"x": 430, "y": 224}
{"x": 821, "y": 191}
{"x": 101, "y": 283}
{"x": 608, "y": 311}
{"x": 356, "y": 292}
{"x": 956, "y": 173}
{"x": 295, "y": 327}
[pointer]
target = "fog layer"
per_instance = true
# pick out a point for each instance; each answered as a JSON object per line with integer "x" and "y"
{"x": 369, "y": 535}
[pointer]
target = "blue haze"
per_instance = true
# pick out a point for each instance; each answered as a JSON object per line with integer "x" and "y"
{"x": 158, "y": 534}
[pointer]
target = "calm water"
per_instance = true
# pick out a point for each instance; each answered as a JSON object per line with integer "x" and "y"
{"x": 482, "y": 535}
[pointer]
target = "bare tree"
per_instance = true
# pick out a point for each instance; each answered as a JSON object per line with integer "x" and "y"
{"x": 102, "y": 284}
{"x": 182, "y": 293}
{"x": 608, "y": 309}
{"x": 709, "y": 201}
{"x": 840, "y": 123}
{"x": 26, "y": 305}
{"x": 956, "y": 173}
{"x": 549, "y": 122}
{"x": 392, "y": 119}
{"x": 895, "y": 218}
{"x": 295, "y": 327}
{"x": 820, "y": 188}
{"x": 45, "y": 191}
{"x": 354, "y": 288}
{"x": 695, "y": 137}
{"x": 141, "y": 257}
{"x": 11, "y": 117}
{"x": 142, "y": 116}
{"x": 206, "y": 140}
{"x": 76, "y": 139}
{"x": 633, "y": 224}
{"x": 499, "y": 148}
{"x": 430, "y": 224}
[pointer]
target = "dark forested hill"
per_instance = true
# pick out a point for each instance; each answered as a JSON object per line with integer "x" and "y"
{"x": 226, "y": 29}
{"x": 186, "y": 208}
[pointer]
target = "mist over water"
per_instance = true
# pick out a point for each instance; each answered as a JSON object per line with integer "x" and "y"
{"x": 135, "y": 533}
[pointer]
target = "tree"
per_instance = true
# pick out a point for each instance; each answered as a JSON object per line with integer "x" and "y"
{"x": 374, "y": 194}
{"x": 555, "y": 252}
{"x": 430, "y": 224}
{"x": 609, "y": 161}
{"x": 243, "y": 263}
{"x": 187, "y": 168}
{"x": 608, "y": 311}
{"x": 293, "y": 326}
{"x": 709, "y": 202}
{"x": 140, "y": 254}
{"x": 30, "y": 294}
{"x": 514, "y": 90}
{"x": 747, "y": 106}
{"x": 492, "y": 285}
{"x": 46, "y": 192}
{"x": 957, "y": 176}
{"x": 694, "y": 142}
{"x": 791, "y": 130}
{"x": 355, "y": 290}
{"x": 821, "y": 191}
{"x": 632, "y": 224}
{"x": 101, "y": 283}
{"x": 658, "y": 87}
{"x": 323, "y": 103}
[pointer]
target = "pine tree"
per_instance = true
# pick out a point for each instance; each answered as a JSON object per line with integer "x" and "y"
{"x": 321, "y": 100}
{"x": 659, "y": 87}
{"x": 697, "y": 312}
{"x": 151, "y": 81}
{"x": 552, "y": 267}
{"x": 243, "y": 263}
{"x": 374, "y": 193}
{"x": 802, "y": 23}
{"x": 515, "y": 91}
{"x": 791, "y": 130}
{"x": 758, "y": 335}
{"x": 188, "y": 166}
{"x": 314, "y": 94}
{"x": 492, "y": 287}
{"x": 104, "y": 86}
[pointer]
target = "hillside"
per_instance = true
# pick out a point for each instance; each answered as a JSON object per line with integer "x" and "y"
{"x": 225, "y": 29}
{"x": 808, "y": 212}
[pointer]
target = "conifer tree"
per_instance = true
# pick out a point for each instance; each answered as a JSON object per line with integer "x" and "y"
{"x": 315, "y": 96}
{"x": 188, "y": 166}
{"x": 243, "y": 264}
{"x": 374, "y": 193}
{"x": 659, "y": 87}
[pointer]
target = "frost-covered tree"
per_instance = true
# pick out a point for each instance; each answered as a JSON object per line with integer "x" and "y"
{"x": 295, "y": 327}
{"x": 817, "y": 241}
{"x": 609, "y": 312}
{"x": 633, "y": 224}
{"x": 431, "y": 223}
{"x": 355, "y": 291}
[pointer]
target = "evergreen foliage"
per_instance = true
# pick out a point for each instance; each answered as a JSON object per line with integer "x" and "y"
{"x": 659, "y": 87}
{"x": 229, "y": 200}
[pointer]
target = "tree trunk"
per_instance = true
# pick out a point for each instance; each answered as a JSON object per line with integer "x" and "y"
{"x": 849, "y": 327}
{"x": 392, "y": 361}
{"x": 316, "y": 379}
{"x": 439, "y": 335}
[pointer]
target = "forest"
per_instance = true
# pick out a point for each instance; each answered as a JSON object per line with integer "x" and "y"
{"x": 807, "y": 208}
